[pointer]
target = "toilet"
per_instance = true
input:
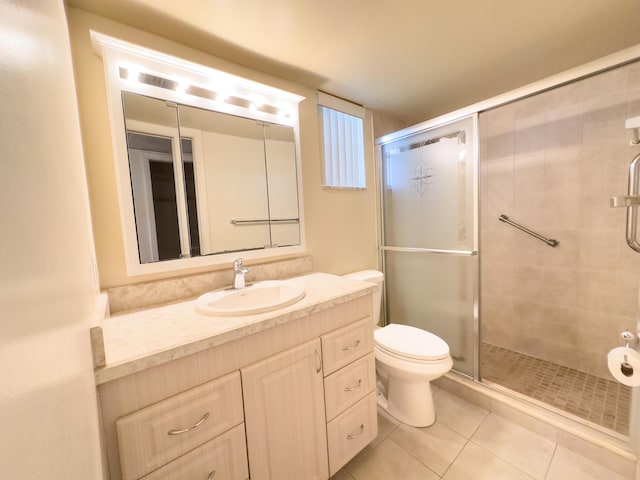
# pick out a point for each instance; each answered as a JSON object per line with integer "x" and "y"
{"x": 407, "y": 360}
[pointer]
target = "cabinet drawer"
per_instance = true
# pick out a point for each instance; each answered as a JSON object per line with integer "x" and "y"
{"x": 160, "y": 433}
{"x": 351, "y": 431}
{"x": 349, "y": 384}
{"x": 224, "y": 458}
{"x": 347, "y": 344}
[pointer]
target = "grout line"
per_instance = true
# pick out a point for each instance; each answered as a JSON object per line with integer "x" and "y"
{"x": 504, "y": 459}
{"x": 480, "y": 424}
{"x": 409, "y": 453}
{"x": 456, "y": 457}
{"x": 553, "y": 455}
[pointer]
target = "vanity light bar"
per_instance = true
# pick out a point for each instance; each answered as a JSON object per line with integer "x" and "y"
{"x": 129, "y": 73}
{"x": 138, "y": 76}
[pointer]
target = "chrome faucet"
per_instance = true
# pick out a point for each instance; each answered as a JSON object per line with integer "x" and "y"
{"x": 239, "y": 270}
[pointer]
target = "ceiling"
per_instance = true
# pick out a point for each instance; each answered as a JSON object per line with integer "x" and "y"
{"x": 411, "y": 59}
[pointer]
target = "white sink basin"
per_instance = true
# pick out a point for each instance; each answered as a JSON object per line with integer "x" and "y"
{"x": 257, "y": 298}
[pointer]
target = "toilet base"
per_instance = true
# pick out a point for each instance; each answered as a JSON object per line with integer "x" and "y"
{"x": 408, "y": 402}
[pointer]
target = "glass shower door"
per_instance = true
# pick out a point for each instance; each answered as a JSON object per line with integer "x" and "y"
{"x": 429, "y": 244}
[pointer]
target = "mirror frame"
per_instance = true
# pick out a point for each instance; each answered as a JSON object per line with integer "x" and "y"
{"x": 281, "y": 109}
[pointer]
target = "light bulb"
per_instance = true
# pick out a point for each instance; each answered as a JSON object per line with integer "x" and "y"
{"x": 133, "y": 74}
{"x": 181, "y": 87}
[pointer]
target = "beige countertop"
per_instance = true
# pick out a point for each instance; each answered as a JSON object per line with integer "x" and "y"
{"x": 138, "y": 340}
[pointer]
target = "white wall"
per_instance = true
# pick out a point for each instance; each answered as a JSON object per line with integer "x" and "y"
{"x": 48, "y": 414}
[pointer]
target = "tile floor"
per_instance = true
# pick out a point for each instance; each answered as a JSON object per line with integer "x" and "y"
{"x": 598, "y": 400}
{"x": 467, "y": 443}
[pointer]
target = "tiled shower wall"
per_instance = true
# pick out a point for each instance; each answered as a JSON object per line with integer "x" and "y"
{"x": 550, "y": 162}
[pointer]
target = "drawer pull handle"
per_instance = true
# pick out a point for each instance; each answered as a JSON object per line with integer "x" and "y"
{"x": 351, "y": 389}
{"x": 353, "y": 437}
{"x": 319, "y": 361}
{"x": 351, "y": 347}
{"x": 188, "y": 429}
{"x": 211, "y": 475}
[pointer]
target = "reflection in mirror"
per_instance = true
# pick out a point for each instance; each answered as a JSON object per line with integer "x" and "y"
{"x": 152, "y": 132}
{"x": 231, "y": 179}
{"x": 228, "y": 185}
{"x": 282, "y": 184}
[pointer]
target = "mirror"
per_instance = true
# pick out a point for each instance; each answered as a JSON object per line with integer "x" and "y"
{"x": 205, "y": 182}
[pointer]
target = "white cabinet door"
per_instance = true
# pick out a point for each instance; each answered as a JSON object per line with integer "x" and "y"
{"x": 284, "y": 414}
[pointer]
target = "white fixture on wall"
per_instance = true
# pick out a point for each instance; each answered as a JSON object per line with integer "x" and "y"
{"x": 634, "y": 124}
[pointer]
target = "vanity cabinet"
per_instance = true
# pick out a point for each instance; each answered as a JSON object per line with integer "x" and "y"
{"x": 293, "y": 401}
{"x": 285, "y": 415}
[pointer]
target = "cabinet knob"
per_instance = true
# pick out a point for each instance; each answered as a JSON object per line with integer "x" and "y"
{"x": 211, "y": 475}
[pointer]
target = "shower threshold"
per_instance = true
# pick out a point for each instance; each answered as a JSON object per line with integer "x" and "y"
{"x": 598, "y": 400}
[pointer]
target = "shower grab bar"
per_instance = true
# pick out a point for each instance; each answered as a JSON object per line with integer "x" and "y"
{"x": 430, "y": 250}
{"x": 552, "y": 242}
{"x": 631, "y": 201}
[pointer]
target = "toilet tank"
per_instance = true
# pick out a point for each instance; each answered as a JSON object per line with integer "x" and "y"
{"x": 376, "y": 277}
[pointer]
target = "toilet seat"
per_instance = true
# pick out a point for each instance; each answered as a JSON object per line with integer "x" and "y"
{"x": 411, "y": 343}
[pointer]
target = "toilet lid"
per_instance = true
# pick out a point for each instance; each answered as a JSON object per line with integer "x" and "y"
{"x": 411, "y": 342}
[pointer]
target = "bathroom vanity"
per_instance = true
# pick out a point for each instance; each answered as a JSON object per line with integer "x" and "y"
{"x": 288, "y": 394}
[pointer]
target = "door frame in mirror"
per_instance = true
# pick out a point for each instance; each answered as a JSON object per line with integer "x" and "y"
{"x": 143, "y": 128}
{"x": 120, "y": 59}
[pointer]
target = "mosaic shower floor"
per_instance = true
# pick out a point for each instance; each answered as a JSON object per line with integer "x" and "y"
{"x": 598, "y": 400}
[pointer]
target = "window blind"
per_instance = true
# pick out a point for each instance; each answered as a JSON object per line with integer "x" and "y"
{"x": 342, "y": 129}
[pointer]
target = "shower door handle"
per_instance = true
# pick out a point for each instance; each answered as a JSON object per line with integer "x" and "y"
{"x": 631, "y": 201}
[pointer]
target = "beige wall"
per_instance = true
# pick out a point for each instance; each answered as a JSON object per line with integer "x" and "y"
{"x": 341, "y": 230}
{"x": 551, "y": 162}
{"x": 48, "y": 292}
{"x": 384, "y": 124}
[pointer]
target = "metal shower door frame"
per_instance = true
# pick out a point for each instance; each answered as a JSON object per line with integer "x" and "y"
{"x": 473, "y": 252}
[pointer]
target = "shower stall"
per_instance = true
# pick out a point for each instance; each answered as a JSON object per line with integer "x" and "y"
{"x": 497, "y": 236}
